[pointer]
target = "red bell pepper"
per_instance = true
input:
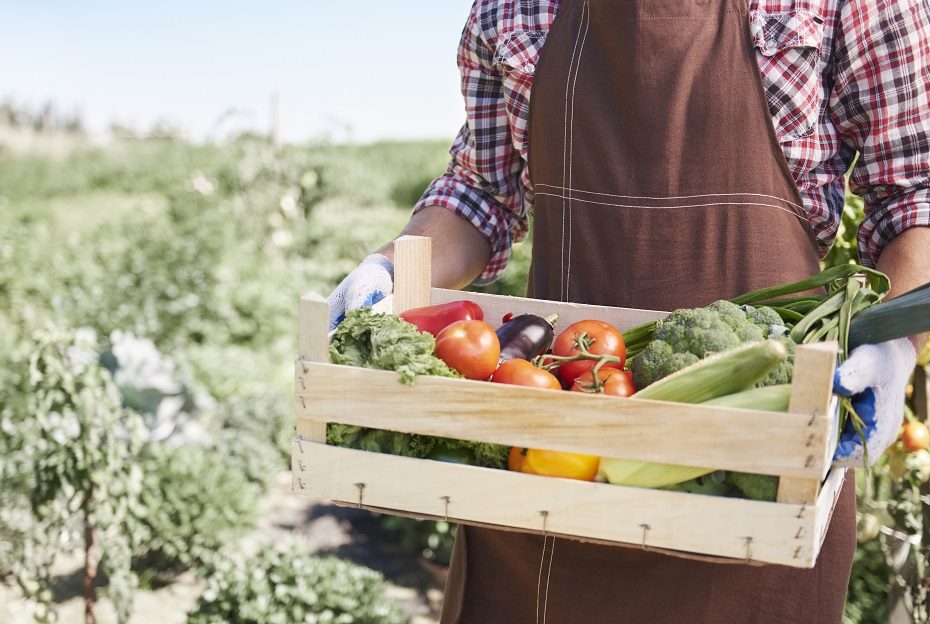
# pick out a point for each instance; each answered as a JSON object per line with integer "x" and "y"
{"x": 434, "y": 319}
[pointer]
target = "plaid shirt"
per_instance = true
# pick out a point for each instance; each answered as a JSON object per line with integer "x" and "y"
{"x": 841, "y": 77}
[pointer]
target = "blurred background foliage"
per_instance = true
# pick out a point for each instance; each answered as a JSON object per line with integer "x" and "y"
{"x": 178, "y": 267}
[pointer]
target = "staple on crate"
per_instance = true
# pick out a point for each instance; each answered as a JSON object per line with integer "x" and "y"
{"x": 446, "y": 500}
{"x": 802, "y": 510}
{"x": 645, "y": 528}
{"x": 545, "y": 520}
{"x": 303, "y": 403}
{"x": 799, "y": 533}
{"x": 300, "y": 443}
{"x": 797, "y": 552}
{"x": 810, "y": 441}
{"x": 748, "y": 549}
{"x": 361, "y": 491}
{"x": 814, "y": 416}
{"x": 809, "y": 462}
{"x": 300, "y": 483}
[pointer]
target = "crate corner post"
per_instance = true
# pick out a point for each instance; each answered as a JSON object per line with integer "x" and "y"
{"x": 811, "y": 394}
{"x": 313, "y": 346}
{"x": 412, "y": 272}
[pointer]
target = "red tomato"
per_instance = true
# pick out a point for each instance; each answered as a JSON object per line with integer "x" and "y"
{"x": 605, "y": 340}
{"x": 915, "y": 436}
{"x": 519, "y": 372}
{"x": 614, "y": 382}
{"x": 470, "y": 347}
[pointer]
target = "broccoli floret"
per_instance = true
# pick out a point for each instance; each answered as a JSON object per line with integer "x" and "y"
{"x": 658, "y": 360}
{"x": 690, "y": 334}
{"x": 755, "y": 486}
{"x": 782, "y": 373}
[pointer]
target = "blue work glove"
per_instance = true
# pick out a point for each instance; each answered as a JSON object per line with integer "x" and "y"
{"x": 368, "y": 284}
{"x": 876, "y": 377}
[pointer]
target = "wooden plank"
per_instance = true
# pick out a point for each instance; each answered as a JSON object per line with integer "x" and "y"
{"x": 811, "y": 394}
{"x": 312, "y": 346}
{"x": 496, "y": 306}
{"x": 412, "y": 272}
{"x": 826, "y": 503}
{"x": 568, "y": 421}
{"x": 687, "y": 522}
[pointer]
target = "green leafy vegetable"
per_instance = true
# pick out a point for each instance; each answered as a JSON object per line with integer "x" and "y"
{"x": 387, "y": 342}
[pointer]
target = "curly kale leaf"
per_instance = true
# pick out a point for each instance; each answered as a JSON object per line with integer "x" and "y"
{"x": 386, "y": 342}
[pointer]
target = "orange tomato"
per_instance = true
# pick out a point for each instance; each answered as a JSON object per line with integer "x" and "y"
{"x": 516, "y": 459}
{"x": 470, "y": 347}
{"x": 557, "y": 464}
{"x": 519, "y": 372}
{"x": 915, "y": 436}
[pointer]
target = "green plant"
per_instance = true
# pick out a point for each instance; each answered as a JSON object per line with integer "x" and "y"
{"x": 195, "y": 501}
{"x": 288, "y": 583}
{"x": 68, "y": 468}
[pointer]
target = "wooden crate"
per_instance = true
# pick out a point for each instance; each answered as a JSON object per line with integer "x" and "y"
{"x": 797, "y": 446}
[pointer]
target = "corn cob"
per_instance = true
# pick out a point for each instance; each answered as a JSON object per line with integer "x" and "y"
{"x": 712, "y": 380}
{"x": 720, "y": 374}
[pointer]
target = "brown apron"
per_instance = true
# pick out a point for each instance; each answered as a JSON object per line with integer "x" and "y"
{"x": 659, "y": 183}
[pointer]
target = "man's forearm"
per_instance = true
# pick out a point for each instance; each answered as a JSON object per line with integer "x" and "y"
{"x": 906, "y": 260}
{"x": 460, "y": 252}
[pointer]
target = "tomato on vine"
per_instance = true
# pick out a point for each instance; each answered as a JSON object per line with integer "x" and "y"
{"x": 600, "y": 338}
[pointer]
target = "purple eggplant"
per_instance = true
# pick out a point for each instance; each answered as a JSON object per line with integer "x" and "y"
{"x": 526, "y": 336}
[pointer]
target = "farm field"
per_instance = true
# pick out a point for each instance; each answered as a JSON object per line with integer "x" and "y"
{"x": 158, "y": 282}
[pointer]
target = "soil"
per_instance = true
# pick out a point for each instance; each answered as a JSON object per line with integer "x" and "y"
{"x": 351, "y": 534}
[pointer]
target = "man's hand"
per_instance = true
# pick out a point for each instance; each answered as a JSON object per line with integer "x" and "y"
{"x": 876, "y": 377}
{"x": 368, "y": 284}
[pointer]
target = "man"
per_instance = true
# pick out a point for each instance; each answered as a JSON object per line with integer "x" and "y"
{"x": 677, "y": 152}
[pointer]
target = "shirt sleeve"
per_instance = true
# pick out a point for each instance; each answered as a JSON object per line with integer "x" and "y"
{"x": 880, "y": 103}
{"x": 483, "y": 181}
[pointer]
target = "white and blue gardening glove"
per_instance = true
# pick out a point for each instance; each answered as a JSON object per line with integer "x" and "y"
{"x": 876, "y": 378}
{"x": 368, "y": 284}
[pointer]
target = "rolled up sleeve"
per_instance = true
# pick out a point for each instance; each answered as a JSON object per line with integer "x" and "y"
{"x": 483, "y": 182}
{"x": 881, "y": 105}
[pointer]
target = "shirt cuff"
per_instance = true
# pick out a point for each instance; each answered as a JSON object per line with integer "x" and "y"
{"x": 883, "y": 225}
{"x": 493, "y": 221}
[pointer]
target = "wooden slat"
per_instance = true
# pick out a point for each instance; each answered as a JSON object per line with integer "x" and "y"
{"x": 826, "y": 503}
{"x": 645, "y": 430}
{"x": 812, "y": 394}
{"x": 687, "y": 522}
{"x": 313, "y": 346}
{"x": 496, "y": 306}
{"x": 412, "y": 272}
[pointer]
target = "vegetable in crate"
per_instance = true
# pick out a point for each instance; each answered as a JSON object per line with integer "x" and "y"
{"x": 707, "y": 380}
{"x": 433, "y": 319}
{"x": 688, "y": 335}
{"x": 518, "y": 372}
{"x": 386, "y": 342}
{"x": 598, "y": 337}
{"x": 607, "y": 382}
{"x": 469, "y": 347}
{"x": 526, "y": 336}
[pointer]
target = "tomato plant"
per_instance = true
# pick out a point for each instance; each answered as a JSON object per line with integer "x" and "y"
{"x": 611, "y": 382}
{"x": 519, "y": 372}
{"x": 470, "y": 347}
{"x": 600, "y": 339}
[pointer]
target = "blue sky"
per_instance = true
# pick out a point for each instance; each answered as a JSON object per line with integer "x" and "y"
{"x": 358, "y": 69}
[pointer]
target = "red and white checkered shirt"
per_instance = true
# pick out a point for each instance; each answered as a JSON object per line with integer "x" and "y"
{"x": 841, "y": 77}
